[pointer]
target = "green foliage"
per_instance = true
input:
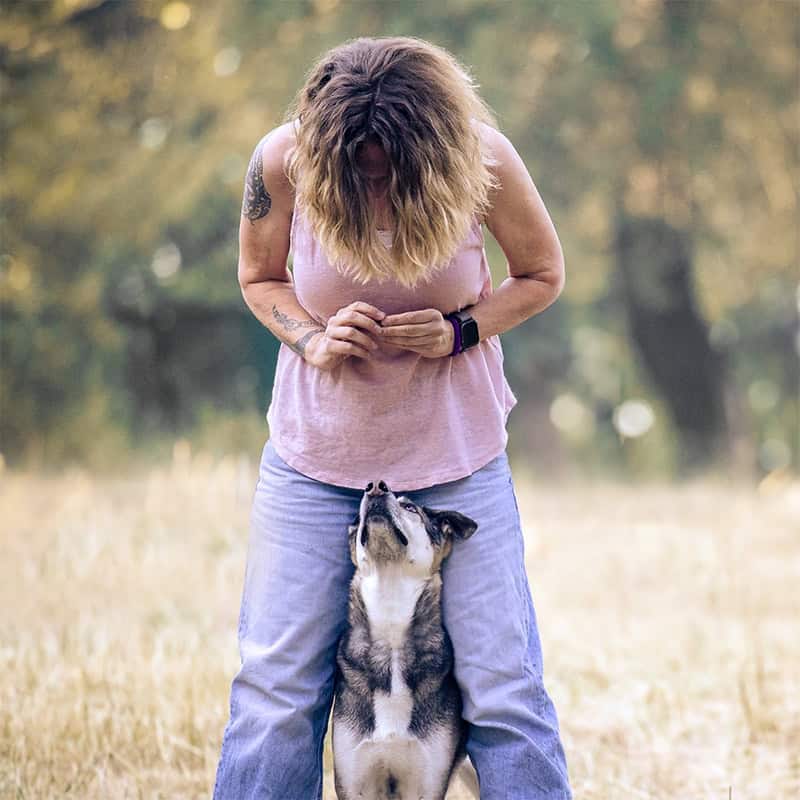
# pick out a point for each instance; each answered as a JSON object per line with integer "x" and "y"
{"x": 126, "y": 130}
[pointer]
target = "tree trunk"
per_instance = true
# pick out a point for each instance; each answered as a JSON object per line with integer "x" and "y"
{"x": 670, "y": 335}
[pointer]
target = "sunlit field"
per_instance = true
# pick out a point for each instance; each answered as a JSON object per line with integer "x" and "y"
{"x": 669, "y": 620}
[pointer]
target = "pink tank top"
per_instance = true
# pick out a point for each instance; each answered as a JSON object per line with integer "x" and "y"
{"x": 399, "y": 417}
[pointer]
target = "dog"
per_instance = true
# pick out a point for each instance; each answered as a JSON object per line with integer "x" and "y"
{"x": 397, "y": 729}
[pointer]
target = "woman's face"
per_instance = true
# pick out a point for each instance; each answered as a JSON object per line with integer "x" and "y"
{"x": 373, "y": 164}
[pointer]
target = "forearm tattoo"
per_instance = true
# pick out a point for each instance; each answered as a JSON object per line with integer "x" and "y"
{"x": 257, "y": 202}
{"x": 292, "y": 324}
{"x": 300, "y": 345}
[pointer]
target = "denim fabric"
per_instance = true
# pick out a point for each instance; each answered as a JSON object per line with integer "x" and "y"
{"x": 294, "y": 608}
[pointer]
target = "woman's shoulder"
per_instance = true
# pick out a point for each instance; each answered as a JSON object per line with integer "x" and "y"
{"x": 494, "y": 145}
{"x": 274, "y": 149}
{"x": 284, "y": 135}
{"x": 493, "y": 141}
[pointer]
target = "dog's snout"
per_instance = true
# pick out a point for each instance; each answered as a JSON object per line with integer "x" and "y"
{"x": 376, "y": 488}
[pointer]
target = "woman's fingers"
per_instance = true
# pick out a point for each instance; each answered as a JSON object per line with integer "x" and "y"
{"x": 358, "y": 319}
{"x": 356, "y": 329}
{"x": 353, "y": 331}
{"x": 425, "y": 322}
{"x": 433, "y": 350}
{"x": 416, "y": 341}
{"x": 364, "y": 308}
{"x": 412, "y": 331}
{"x": 351, "y": 334}
{"x": 413, "y": 317}
{"x": 347, "y": 348}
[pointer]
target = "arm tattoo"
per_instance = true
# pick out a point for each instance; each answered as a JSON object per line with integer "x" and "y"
{"x": 300, "y": 345}
{"x": 256, "y": 202}
{"x": 293, "y": 324}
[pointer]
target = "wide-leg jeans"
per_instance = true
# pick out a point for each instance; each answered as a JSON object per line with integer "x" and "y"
{"x": 294, "y": 609}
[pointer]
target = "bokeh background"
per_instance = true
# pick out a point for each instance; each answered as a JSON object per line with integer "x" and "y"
{"x": 662, "y": 136}
{"x": 656, "y": 438}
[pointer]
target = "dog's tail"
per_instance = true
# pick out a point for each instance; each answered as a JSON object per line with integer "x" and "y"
{"x": 469, "y": 778}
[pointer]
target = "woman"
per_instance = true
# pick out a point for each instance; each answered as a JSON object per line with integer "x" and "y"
{"x": 379, "y": 181}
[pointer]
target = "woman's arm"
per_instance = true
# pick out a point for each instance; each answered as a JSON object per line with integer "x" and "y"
{"x": 522, "y": 227}
{"x": 264, "y": 278}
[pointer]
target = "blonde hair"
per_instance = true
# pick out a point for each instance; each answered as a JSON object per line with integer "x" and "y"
{"x": 421, "y": 105}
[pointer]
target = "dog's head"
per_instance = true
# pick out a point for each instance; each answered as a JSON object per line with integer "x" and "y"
{"x": 391, "y": 529}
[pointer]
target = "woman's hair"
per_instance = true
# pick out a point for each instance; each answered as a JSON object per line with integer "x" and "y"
{"x": 421, "y": 105}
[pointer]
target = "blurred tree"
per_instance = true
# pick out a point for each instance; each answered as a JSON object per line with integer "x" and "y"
{"x": 126, "y": 129}
{"x": 655, "y": 260}
{"x": 670, "y": 335}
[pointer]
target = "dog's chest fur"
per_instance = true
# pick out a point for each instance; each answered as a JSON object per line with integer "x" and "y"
{"x": 390, "y": 603}
{"x": 397, "y": 708}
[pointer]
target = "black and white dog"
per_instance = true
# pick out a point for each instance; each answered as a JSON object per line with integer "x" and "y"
{"x": 397, "y": 726}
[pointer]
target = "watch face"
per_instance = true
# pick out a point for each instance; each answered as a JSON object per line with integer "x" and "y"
{"x": 469, "y": 334}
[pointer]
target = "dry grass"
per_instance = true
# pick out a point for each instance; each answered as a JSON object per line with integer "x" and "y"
{"x": 669, "y": 618}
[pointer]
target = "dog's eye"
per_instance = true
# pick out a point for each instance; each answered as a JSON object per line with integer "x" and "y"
{"x": 410, "y": 507}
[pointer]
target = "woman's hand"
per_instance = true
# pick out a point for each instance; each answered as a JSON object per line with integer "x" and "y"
{"x": 425, "y": 332}
{"x": 351, "y": 331}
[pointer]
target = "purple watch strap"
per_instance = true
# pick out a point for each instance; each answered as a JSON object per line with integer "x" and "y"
{"x": 457, "y": 334}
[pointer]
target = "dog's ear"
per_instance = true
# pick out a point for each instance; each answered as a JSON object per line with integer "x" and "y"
{"x": 452, "y": 523}
{"x": 352, "y": 530}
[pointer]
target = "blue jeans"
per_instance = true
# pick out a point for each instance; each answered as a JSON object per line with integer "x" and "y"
{"x": 294, "y": 608}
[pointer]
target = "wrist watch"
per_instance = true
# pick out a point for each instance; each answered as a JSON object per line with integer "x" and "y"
{"x": 465, "y": 329}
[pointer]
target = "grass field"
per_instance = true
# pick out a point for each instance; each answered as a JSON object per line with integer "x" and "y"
{"x": 668, "y": 615}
